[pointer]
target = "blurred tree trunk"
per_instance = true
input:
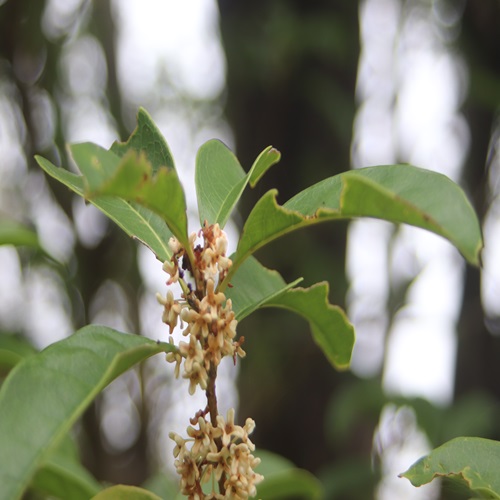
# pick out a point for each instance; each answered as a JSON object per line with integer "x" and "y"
{"x": 30, "y": 64}
{"x": 291, "y": 78}
{"x": 478, "y": 357}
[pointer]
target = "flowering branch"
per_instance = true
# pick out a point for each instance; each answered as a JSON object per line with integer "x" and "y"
{"x": 219, "y": 449}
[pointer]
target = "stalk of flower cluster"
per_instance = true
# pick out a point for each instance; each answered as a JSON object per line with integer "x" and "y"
{"x": 218, "y": 448}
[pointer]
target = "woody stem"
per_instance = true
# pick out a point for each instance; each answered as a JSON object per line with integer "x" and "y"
{"x": 212, "y": 408}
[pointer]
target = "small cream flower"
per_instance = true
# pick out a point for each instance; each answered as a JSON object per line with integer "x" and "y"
{"x": 192, "y": 353}
{"x": 197, "y": 376}
{"x": 171, "y": 268}
{"x": 203, "y": 443}
{"x": 180, "y": 443}
{"x": 174, "y": 357}
{"x": 219, "y": 458}
{"x": 229, "y": 429}
{"x": 175, "y": 245}
{"x": 171, "y": 310}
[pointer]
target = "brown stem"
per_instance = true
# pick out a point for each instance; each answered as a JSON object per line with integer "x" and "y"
{"x": 212, "y": 408}
{"x": 211, "y": 394}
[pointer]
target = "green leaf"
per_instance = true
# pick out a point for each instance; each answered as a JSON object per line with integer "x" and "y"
{"x": 330, "y": 327}
{"x": 97, "y": 164}
{"x": 163, "y": 485}
{"x": 147, "y": 139}
{"x": 137, "y": 221}
{"x": 63, "y": 479}
{"x": 13, "y": 233}
{"x": 282, "y": 480}
{"x": 266, "y": 222}
{"x": 292, "y": 483}
{"x": 401, "y": 194}
{"x": 62, "y": 475}
{"x": 396, "y": 193}
{"x": 132, "y": 179}
{"x": 134, "y": 183}
{"x": 220, "y": 180}
{"x": 45, "y": 394}
{"x": 13, "y": 349}
{"x": 263, "y": 163}
{"x": 253, "y": 286}
{"x": 469, "y": 460}
{"x": 122, "y": 492}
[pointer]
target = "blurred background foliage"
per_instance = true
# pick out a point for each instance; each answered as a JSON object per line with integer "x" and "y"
{"x": 292, "y": 76}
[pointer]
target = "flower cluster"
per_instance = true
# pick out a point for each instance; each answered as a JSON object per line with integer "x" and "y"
{"x": 211, "y": 323}
{"x": 218, "y": 449}
{"x": 210, "y": 261}
{"x": 205, "y": 460}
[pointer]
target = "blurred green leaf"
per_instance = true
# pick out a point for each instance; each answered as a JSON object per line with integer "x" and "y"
{"x": 473, "y": 414}
{"x": 330, "y": 327}
{"x": 13, "y": 233}
{"x": 282, "y": 480}
{"x": 469, "y": 460}
{"x": 122, "y": 492}
{"x": 63, "y": 476}
{"x": 292, "y": 483}
{"x": 13, "y": 349}
{"x": 272, "y": 463}
{"x": 45, "y": 394}
{"x": 163, "y": 485}
{"x": 349, "y": 477}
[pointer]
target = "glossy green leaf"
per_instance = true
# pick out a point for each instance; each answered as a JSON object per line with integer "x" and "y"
{"x": 123, "y": 492}
{"x": 44, "y": 395}
{"x": 472, "y": 461}
{"x": 330, "y": 327}
{"x": 97, "y": 165}
{"x": 147, "y": 139}
{"x": 132, "y": 179}
{"x": 253, "y": 286}
{"x": 282, "y": 480}
{"x": 13, "y": 233}
{"x": 263, "y": 163}
{"x": 220, "y": 180}
{"x": 401, "y": 194}
{"x": 396, "y": 193}
{"x": 137, "y": 221}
